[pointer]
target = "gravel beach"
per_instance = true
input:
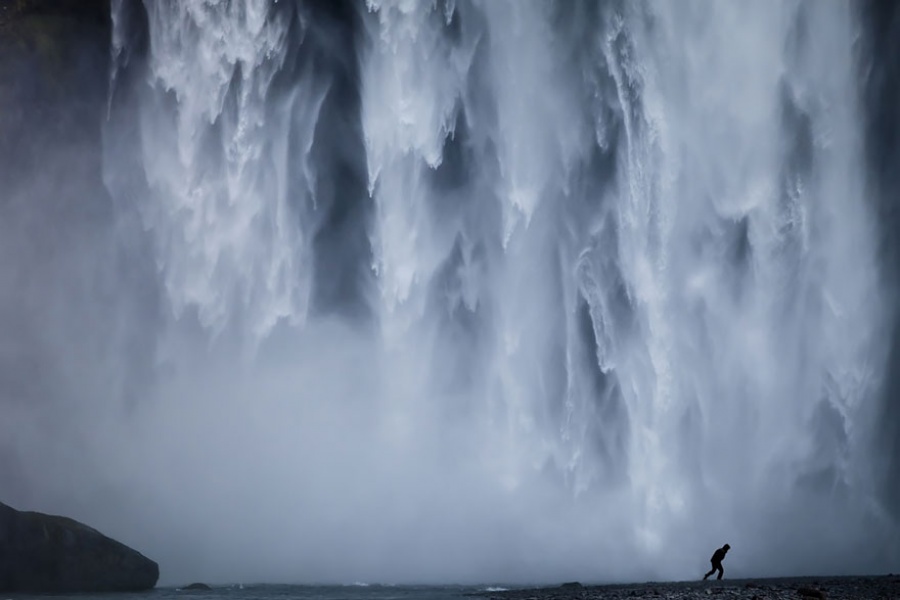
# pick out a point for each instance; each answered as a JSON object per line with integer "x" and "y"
{"x": 809, "y": 588}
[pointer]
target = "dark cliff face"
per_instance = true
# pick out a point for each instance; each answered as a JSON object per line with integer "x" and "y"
{"x": 44, "y": 553}
{"x": 54, "y": 58}
{"x": 84, "y": 10}
{"x": 56, "y": 226}
{"x": 880, "y": 94}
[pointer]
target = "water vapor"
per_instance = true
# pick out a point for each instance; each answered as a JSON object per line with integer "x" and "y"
{"x": 465, "y": 291}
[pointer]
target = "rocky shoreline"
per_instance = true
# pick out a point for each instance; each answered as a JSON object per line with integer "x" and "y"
{"x": 804, "y": 588}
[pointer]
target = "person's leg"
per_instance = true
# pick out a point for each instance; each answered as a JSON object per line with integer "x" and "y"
{"x": 711, "y": 571}
{"x": 721, "y": 570}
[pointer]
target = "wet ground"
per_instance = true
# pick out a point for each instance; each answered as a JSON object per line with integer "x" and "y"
{"x": 805, "y": 588}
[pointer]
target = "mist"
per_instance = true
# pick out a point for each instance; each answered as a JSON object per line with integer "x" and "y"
{"x": 454, "y": 292}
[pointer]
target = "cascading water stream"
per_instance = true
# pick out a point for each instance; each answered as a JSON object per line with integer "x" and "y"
{"x": 621, "y": 248}
{"x": 495, "y": 290}
{"x": 670, "y": 198}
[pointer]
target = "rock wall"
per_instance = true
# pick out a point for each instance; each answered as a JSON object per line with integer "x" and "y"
{"x": 45, "y": 553}
{"x": 56, "y": 221}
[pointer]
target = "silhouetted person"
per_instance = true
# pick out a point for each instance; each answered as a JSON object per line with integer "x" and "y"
{"x": 716, "y": 560}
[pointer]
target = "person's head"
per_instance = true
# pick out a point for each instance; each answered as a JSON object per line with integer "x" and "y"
{"x": 726, "y": 547}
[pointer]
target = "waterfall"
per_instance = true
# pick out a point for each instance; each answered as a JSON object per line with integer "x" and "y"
{"x": 472, "y": 290}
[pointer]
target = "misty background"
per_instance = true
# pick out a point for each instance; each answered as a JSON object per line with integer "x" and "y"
{"x": 454, "y": 291}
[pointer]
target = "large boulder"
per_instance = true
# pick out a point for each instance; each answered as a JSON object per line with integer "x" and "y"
{"x": 46, "y": 553}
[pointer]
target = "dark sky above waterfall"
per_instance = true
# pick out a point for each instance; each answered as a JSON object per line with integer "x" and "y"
{"x": 221, "y": 472}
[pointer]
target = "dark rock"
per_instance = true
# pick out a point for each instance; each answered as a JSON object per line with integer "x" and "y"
{"x": 46, "y": 553}
{"x": 811, "y": 593}
{"x": 572, "y": 585}
{"x": 196, "y": 586}
{"x": 54, "y": 71}
{"x": 57, "y": 220}
{"x": 97, "y": 10}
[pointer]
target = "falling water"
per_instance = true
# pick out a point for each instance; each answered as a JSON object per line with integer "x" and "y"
{"x": 493, "y": 290}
